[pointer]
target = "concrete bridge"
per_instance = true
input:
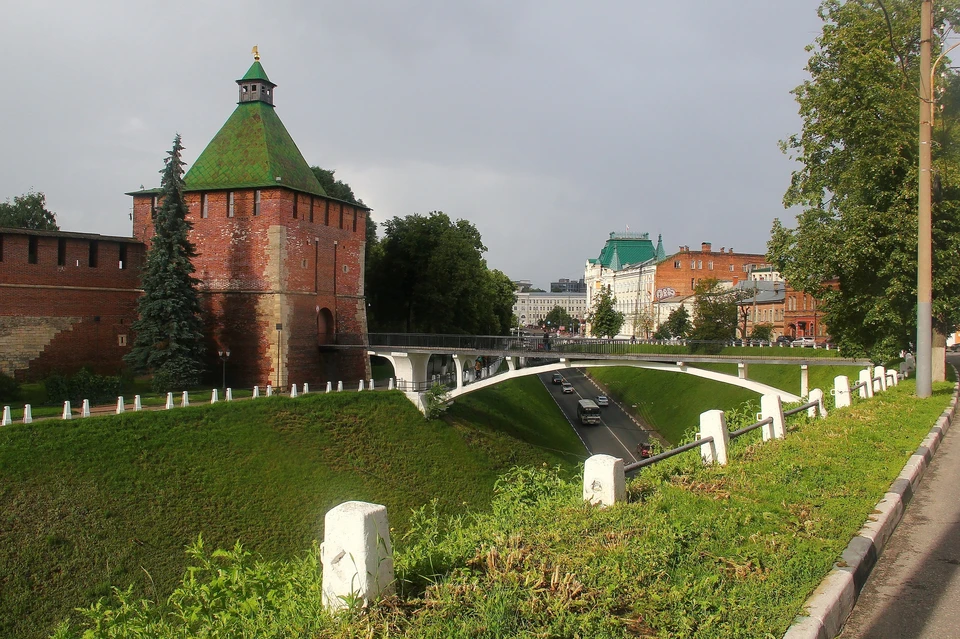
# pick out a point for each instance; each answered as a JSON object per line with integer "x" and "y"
{"x": 410, "y": 355}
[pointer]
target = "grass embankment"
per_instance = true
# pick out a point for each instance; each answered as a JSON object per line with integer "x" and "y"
{"x": 112, "y": 501}
{"x": 707, "y": 552}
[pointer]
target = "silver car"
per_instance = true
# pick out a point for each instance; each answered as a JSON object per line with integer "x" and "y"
{"x": 602, "y": 400}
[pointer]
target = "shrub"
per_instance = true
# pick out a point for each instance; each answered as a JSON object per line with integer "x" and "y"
{"x": 83, "y": 385}
{"x": 9, "y": 388}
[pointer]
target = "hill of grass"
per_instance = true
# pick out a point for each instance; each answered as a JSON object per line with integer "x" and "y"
{"x": 112, "y": 501}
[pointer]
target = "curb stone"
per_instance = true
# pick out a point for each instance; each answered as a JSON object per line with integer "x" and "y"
{"x": 831, "y": 603}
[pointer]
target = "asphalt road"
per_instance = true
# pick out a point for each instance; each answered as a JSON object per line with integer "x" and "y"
{"x": 616, "y": 434}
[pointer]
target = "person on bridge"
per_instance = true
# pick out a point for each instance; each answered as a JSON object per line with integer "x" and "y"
{"x": 546, "y": 341}
{"x": 477, "y": 367}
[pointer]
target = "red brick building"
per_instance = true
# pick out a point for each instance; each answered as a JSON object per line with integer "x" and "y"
{"x": 280, "y": 263}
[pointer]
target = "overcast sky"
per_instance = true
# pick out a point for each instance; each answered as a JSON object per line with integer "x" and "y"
{"x": 546, "y": 123}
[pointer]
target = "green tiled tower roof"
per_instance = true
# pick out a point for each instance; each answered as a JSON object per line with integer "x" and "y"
{"x": 624, "y": 249}
{"x": 253, "y": 148}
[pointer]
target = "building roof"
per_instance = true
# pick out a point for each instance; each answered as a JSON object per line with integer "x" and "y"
{"x": 252, "y": 149}
{"x": 256, "y": 72}
{"x": 70, "y": 235}
{"x": 624, "y": 249}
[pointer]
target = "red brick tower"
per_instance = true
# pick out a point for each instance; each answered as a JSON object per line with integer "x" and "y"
{"x": 280, "y": 263}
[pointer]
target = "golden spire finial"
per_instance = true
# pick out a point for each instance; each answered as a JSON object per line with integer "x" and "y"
{"x": 256, "y": 54}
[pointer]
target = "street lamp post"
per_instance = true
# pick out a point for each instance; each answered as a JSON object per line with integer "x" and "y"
{"x": 224, "y": 356}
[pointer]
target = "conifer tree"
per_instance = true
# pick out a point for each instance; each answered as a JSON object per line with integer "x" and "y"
{"x": 605, "y": 319}
{"x": 169, "y": 331}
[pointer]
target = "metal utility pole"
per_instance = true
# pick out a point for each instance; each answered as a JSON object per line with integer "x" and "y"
{"x": 924, "y": 240}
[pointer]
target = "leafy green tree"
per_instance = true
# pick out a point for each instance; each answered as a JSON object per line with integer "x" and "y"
{"x": 762, "y": 332}
{"x": 678, "y": 323}
{"x": 28, "y": 211}
{"x": 557, "y": 317}
{"x": 714, "y": 312}
{"x": 169, "y": 330}
{"x": 431, "y": 278}
{"x": 605, "y": 319}
{"x": 855, "y": 242}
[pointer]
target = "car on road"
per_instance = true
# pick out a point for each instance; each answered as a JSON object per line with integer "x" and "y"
{"x": 556, "y": 379}
{"x": 602, "y": 400}
{"x": 804, "y": 342}
{"x": 566, "y": 388}
{"x": 783, "y": 339}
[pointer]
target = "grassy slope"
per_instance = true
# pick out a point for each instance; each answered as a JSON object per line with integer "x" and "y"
{"x": 87, "y": 503}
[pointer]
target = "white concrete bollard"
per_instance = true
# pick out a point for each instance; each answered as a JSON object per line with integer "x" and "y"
{"x": 804, "y": 380}
{"x": 604, "y": 483}
{"x": 169, "y": 403}
{"x": 85, "y": 408}
{"x": 391, "y": 385}
{"x": 185, "y": 399}
{"x": 229, "y": 396}
{"x": 27, "y": 414}
{"x": 67, "y": 412}
{"x": 256, "y": 392}
{"x": 214, "y": 396}
{"x": 841, "y": 391}
{"x": 269, "y": 390}
{"x": 340, "y": 386}
{"x": 891, "y": 378}
{"x": 6, "y": 417}
{"x": 880, "y": 377}
{"x": 329, "y": 387}
{"x": 904, "y": 371}
{"x": 356, "y": 554}
{"x": 772, "y": 406}
{"x": 360, "y": 388}
{"x": 713, "y": 424}
{"x": 371, "y": 383}
{"x": 306, "y": 388}
{"x": 137, "y": 405}
{"x": 120, "y": 407}
{"x": 293, "y": 390}
{"x": 865, "y": 391}
{"x": 816, "y": 395}
{"x": 741, "y": 370}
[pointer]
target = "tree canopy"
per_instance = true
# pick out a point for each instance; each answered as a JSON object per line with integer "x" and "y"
{"x": 855, "y": 242}
{"x": 605, "y": 319}
{"x": 169, "y": 330}
{"x": 430, "y": 277}
{"x": 28, "y": 211}
{"x": 557, "y": 317}
{"x": 677, "y": 324}
{"x": 714, "y": 312}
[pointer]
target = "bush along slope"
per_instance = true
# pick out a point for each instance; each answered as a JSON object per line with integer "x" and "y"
{"x": 112, "y": 501}
{"x": 696, "y": 551}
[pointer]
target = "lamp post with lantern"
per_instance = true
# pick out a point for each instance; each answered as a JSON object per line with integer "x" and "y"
{"x": 224, "y": 356}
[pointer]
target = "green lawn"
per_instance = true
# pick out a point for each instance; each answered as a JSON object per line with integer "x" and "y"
{"x": 112, "y": 501}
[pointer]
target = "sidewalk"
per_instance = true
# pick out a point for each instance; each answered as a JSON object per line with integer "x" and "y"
{"x": 914, "y": 590}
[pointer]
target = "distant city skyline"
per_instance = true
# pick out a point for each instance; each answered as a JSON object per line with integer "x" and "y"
{"x": 547, "y": 125}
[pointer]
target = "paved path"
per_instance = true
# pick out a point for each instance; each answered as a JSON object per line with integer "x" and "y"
{"x": 914, "y": 590}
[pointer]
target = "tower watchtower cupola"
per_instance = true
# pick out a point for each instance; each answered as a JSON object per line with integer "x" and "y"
{"x": 255, "y": 86}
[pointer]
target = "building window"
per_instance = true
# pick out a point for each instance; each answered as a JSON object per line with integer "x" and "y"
{"x": 204, "y": 206}
{"x": 93, "y": 254}
{"x": 693, "y": 264}
{"x": 691, "y": 283}
{"x": 153, "y": 208}
{"x": 710, "y": 265}
{"x": 230, "y": 205}
{"x": 346, "y": 269}
{"x": 61, "y": 252}
{"x": 676, "y": 264}
{"x": 123, "y": 256}
{"x": 326, "y": 213}
{"x": 121, "y": 340}
{"x": 311, "y": 208}
{"x": 256, "y": 203}
{"x": 32, "y": 249}
{"x": 296, "y": 204}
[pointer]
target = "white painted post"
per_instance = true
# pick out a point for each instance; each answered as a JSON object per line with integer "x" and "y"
{"x": 741, "y": 370}
{"x": 891, "y": 378}
{"x": 229, "y": 394}
{"x": 904, "y": 370}
{"x": 772, "y": 406}
{"x": 371, "y": 384}
{"x": 120, "y": 407}
{"x": 6, "y": 417}
{"x": 67, "y": 413}
{"x": 340, "y": 386}
{"x": 137, "y": 405}
{"x": 880, "y": 376}
{"x": 185, "y": 399}
{"x": 356, "y": 554}
{"x": 604, "y": 483}
{"x": 85, "y": 408}
{"x": 329, "y": 387}
{"x": 306, "y": 388}
{"x": 214, "y": 396}
{"x": 816, "y": 395}
{"x": 256, "y": 392}
{"x": 293, "y": 390}
{"x": 841, "y": 391}
{"x": 713, "y": 424}
{"x": 27, "y": 414}
{"x": 360, "y": 388}
{"x": 169, "y": 403}
{"x": 391, "y": 385}
{"x": 804, "y": 380}
{"x": 866, "y": 391}
{"x": 269, "y": 390}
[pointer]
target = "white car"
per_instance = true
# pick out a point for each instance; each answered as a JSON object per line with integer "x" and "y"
{"x": 602, "y": 400}
{"x": 803, "y": 342}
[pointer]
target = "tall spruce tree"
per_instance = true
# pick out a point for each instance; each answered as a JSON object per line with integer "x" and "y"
{"x": 169, "y": 331}
{"x": 605, "y": 319}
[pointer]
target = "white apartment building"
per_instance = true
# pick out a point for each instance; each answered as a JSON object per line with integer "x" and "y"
{"x": 531, "y": 308}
